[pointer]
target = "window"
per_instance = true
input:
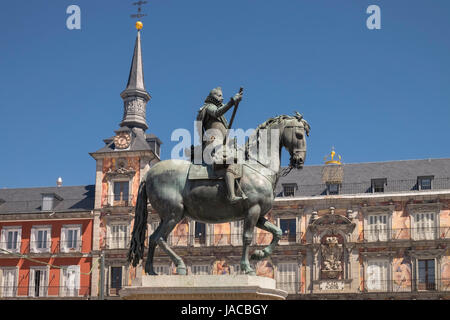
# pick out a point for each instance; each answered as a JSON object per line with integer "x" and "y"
{"x": 121, "y": 193}
{"x": 377, "y": 227}
{"x": 377, "y": 275}
{"x": 236, "y": 237}
{"x": 200, "y": 269}
{"x": 378, "y": 185}
{"x": 116, "y": 280}
{"x": 47, "y": 202}
{"x": 424, "y": 226}
{"x": 200, "y": 233}
{"x": 287, "y": 277}
{"x": 38, "y": 282}
{"x": 9, "y": 282}
{"x": 426, "y": 279}
{"x": 70, "y": 238}
{"x": 11, "y": 238}
{"x": 40, "y": 239}
{"x": 289, "y": 189}
{"x": 424, "y": 183}
{"x": 70, "y": 282}
{"x": 333, "y": 188}
{"x": 119, "y": 236}
{"x": 289, "y": 229}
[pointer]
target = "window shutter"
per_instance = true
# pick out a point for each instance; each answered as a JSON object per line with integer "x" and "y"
{"x": 63, "y": 242}
{"x": 19, "y": 240}
{"x": 3, "y": 239}
{"x": 33, "y": 240}
{"x": 31, "y": 284}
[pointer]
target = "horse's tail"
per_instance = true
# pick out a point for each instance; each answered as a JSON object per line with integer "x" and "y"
{"x": 136, "y": 251}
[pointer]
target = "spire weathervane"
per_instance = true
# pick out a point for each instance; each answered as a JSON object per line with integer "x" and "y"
{"x": 139, "y": 14}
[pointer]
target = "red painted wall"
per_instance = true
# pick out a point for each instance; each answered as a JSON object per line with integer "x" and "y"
{"x": 57, "y": 259}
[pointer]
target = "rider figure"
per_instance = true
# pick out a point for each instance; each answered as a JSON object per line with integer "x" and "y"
{"x": 211, "y": 116}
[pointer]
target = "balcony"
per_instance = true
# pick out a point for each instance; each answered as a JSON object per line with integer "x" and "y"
{"x": 230, "y": 239}
{"x": 414, "y": 234}
{"x": 406, "y": 285}
{"x": 117, "y": 242}
{"x": 46, "y": 292}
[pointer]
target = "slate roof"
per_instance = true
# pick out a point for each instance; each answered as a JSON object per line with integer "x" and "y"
{"x": 400, "y": 176}
{"x": 29, "y": 200}
{"x": 138, "y": 143}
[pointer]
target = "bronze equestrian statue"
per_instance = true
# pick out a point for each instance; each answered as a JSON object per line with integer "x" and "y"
{"x": 175, "y": 191}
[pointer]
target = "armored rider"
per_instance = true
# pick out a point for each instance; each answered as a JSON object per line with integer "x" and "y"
{"x": 211, "y": 116}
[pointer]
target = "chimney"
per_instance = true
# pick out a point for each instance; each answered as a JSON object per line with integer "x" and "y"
{"x": 59, "y": 182}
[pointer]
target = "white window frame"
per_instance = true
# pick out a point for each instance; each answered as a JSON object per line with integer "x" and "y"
{"x": 382, "y": 284}
{"x": 378, "y": 230}
{"x": 44, "y": 287}
{"x": 378, "y": 211}
{"x": 64, "y": 236}
{"x": 287, "y": 276}
{"x": 111, "y": 188}
{"x": 34, "y": 236}
{"x": 424, "y": 230}
{"x": 9, "y": 290}
{"x": 4, "y": 238}
{"x": 201, "y": 269}
{"x": 120, "y": 242}
{"x": 66, "y": 291}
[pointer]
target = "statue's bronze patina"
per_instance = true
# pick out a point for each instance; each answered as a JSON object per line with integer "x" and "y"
{"x": 211, "y": 116}
{"x": 174, "y": 195}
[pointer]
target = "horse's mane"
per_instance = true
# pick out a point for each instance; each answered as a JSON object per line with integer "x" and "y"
{"x": 277, "y": 120}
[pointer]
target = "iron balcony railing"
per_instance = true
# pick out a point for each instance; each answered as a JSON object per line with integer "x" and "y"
{"x": 406, "y": 285}
{"x": 42, "y": 247}
{"x": 44, "y": 292}
{"x": 416, "y": 234}
{"x": 117, "y": 242}
{"x": 366, "y": 187}
{"x": 230, "y": 239}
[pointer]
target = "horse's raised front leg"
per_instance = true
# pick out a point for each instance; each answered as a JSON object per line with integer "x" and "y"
{"x": 162, "y": 241}
{"x": 247, "y": 237}
{"x": 266, "y": 225}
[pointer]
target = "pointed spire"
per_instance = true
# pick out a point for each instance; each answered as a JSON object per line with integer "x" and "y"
{"x": 135, "y": 96}
{"x": 136, "y": 77}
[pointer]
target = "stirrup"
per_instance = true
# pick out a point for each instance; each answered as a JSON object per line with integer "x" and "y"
{"x": 235, "y": 199}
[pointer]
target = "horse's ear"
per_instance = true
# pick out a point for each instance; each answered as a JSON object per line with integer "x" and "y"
{"x": 298, "y": 115}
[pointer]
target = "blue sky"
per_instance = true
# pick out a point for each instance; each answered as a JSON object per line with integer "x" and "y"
{"x": 375, "y": 95}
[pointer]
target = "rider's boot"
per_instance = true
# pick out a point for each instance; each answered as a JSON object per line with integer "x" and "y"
{"x": 229, "y": 180}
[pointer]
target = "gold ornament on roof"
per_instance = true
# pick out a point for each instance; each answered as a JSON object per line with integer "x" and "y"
{"x": 332, "y": 155}
{"x": 139, "y": 25}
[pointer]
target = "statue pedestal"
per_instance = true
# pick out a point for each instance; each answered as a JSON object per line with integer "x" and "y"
{"x": 203, "y": 287}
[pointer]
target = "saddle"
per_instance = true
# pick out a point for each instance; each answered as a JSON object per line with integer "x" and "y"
{"x": 208, "y": 172}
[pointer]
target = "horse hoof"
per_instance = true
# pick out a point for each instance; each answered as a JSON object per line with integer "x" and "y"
{"x": 181, "y": 271}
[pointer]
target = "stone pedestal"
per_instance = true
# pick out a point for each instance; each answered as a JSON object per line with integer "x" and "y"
{"x": 203, "y": 287}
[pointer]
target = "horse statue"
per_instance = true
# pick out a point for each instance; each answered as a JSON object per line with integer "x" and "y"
{"x": 174, "y": 196}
